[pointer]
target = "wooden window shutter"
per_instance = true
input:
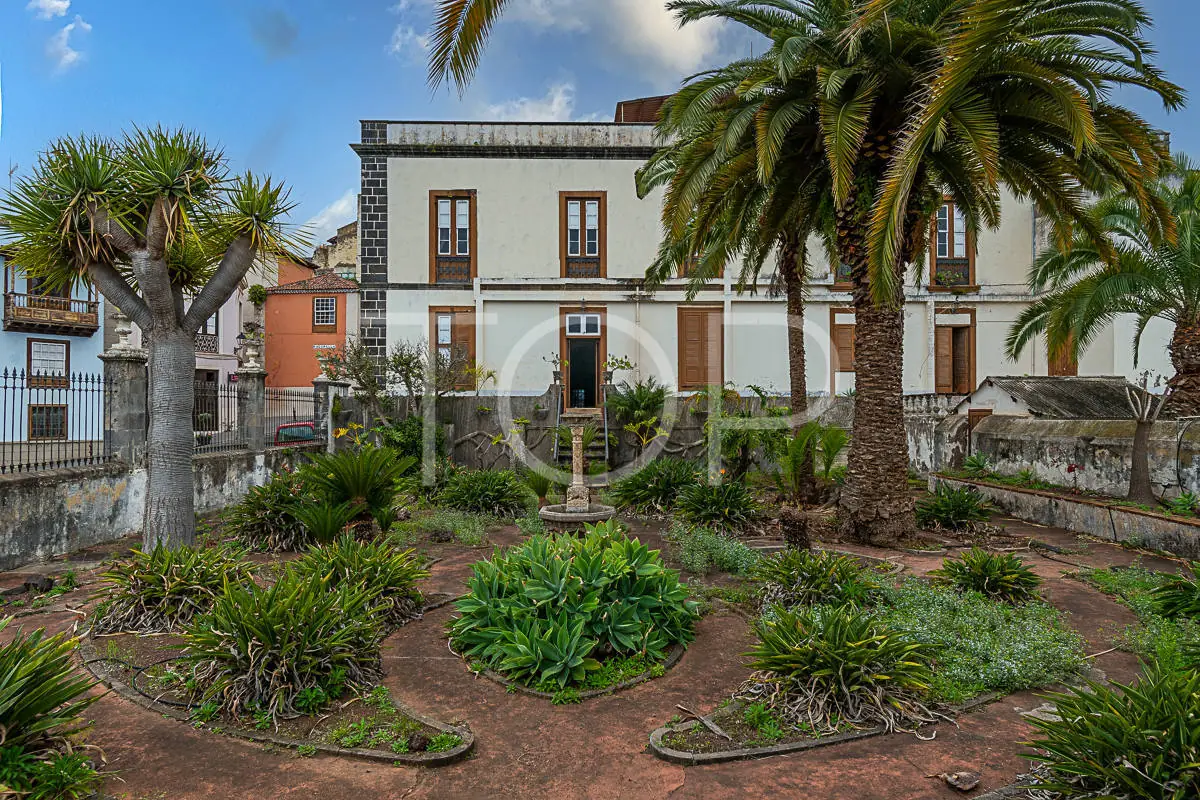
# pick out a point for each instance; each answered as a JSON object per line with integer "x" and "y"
{"x": 462, "y": 336}
{"x": 943, "y": 352}
{"x": 843, "y": 342}
{"x": 700, "y": 347}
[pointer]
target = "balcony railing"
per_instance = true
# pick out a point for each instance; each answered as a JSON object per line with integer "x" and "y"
{"x": 34, "y": 313}
{"x": 207, "y": 343}
{"x": 453, "y": 269}
{"x": 583, "y": 267}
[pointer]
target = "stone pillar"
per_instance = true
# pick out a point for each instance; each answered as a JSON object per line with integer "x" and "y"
{"x": 324, "y": 392}
{"x": 127, "y": 416}
{"x": 252, "y": 402}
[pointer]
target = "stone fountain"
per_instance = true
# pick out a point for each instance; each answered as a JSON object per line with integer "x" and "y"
{"x": 579, "y": 508}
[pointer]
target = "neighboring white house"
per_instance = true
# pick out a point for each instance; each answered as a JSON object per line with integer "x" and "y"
{"x": 524, "y": 244}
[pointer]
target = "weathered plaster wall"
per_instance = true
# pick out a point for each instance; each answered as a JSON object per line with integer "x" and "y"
{"x": 52, "y": 513}
{"x": 1103, "y": 520}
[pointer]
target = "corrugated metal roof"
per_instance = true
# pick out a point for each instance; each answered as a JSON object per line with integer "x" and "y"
{"x": 1058, "y": 397}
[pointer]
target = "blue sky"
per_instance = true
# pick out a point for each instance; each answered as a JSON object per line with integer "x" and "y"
{"x": 282, "y": 85}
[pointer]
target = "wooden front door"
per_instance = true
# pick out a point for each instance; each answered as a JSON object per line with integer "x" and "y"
{"x": 954, "y": 359}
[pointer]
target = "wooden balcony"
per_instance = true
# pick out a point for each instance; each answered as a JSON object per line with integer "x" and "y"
{"x": 32, "y": 313}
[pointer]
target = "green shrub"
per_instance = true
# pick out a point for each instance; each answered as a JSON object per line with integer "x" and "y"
{"x": 165, "y": 588}
{"x": 389, "y": 575}
{"x": 999, "y": 576}
{"x": 729, "y": 506}
{"x": 325, "y": 522}
{"x": 983, "y": 645}
{"x": 978, "y": 465}
{"x": 638, "y": 402}
{"x": 827, "y": 666}
{"x": 701, "y": 549}
{"x": 41, "y": 695}
{"x": 259, "y": 649}
{"x": 499, "y": 493}
{"x": 1184, "y": 505}
{"x": 365, "y": 477}
{"x": 546, "y": 612}
{"x": 793, "y": 578}
{"x": 48, "y": 776}
{"x": 413, "y": 489}
{"x": 656, "y": 486}
{"x": 953, "y": 508}
{"x": 266, "y": 518}
{"x": 407, "y": 438}
{"x": 1179, "y": 596}
{"x": 1137, "y": 741}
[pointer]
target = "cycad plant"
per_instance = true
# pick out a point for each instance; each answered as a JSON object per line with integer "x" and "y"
{"x": 364, "y": 478}
{"x": 42, "y": 697}
{"x": 157, "y": 223}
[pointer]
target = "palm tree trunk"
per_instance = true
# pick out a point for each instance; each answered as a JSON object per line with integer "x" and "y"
{"x": 875, "y": 505}
{"x": 1140, "y": 488}
{"x": 1185, "y": 383}
{"x": 792, "y": 264}
{"x": 170, "y": 517}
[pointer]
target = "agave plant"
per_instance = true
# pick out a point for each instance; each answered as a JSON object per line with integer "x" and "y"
{"x": 1000, "y": 576}
{"x": 163, "y": 589}
{"x": 978, "y": 465}
{"x": 42, "y": 698}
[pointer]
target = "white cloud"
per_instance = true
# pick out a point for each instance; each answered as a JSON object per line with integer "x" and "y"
{"x": 48, "y": 9}
{"x": 332, "y": 217}
{"x": 58, "y": 46}
{"x": 557, "y": 105}
{"x": 406, "y": 41}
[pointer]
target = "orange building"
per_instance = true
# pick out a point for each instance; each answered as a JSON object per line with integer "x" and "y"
{"x": 306, "y": 315}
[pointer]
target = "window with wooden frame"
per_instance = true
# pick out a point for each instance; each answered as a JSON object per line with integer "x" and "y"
{"x": 453, "y": 236}
{"x": 841, "y": 350}
{"x": 951, "y": 250}
{"x": 583, "y": 242}
{"x": 954, "y": 353}
{"x": 325, "y": 315}
{"x": 48, "y": 363}
{"x": 701, "y": 347}
{"x": 47, "y": 421}
{"x": 452, "y": 335}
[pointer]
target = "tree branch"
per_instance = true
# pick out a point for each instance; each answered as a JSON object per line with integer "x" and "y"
{"x": 118, "y": 292}
{"x": 233, "y": 267}
{"x": 155, "y": 283}
{"x": 111, "y": 230}
{"x": 156, "y": 230}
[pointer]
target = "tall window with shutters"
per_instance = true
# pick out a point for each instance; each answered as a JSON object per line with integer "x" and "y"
{"x": 951, "y": 251}
{"x": 584, "y": 232}
{"x": 453, "y": 237}
{"x": 701, "y": 347}
{"x": 954, "y": 354}
{"x": 452, "y": 334}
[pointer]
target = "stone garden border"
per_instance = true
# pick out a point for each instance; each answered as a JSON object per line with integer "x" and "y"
{"x": 673, "y": 656}
{"x": 1095, "y": 517}
{"x": 687, "y": 759}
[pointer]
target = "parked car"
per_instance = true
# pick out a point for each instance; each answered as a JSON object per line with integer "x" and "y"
{"x": 293, "y": 432}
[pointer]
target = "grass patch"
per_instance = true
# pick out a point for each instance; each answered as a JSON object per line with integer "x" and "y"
{"x": 982, "y": 645}
{"x": 1155, "y": 638}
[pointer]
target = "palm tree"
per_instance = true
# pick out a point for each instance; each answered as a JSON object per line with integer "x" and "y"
{"x": 916, "y": 100}
{"x": 1083, "y": 289}
{"x": 924, "y": 99}
{"x": 153, "y": 221}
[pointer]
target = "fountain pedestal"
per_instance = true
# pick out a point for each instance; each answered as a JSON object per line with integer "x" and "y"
{"x": 579, "y": 508}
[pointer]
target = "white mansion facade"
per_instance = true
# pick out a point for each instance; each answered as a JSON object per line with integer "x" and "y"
{"x": 525, "y": 245}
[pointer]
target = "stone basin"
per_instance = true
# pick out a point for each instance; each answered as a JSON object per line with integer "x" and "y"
{"x": 563, "y": 518}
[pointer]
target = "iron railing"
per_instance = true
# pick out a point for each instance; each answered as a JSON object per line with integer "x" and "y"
{"x": 215, "y": 417}
{"x": 51, "y": 421}
{"x": 578, "y": 267}
{"x": 290, "y": 416}
{"x": 453, "y": 269}
{"x": 207, "y": 343}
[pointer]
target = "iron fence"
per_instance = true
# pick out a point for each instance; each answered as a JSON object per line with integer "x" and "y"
{"x": 215, "y": 417}
{"x": 290, "y": 416}
{"x": 51, "y": 421}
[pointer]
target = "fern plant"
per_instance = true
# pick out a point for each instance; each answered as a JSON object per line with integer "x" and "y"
{"x": 999, "y": 576}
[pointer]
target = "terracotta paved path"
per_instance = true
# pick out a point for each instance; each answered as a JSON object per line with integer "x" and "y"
{"x": 527, "y": 748}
